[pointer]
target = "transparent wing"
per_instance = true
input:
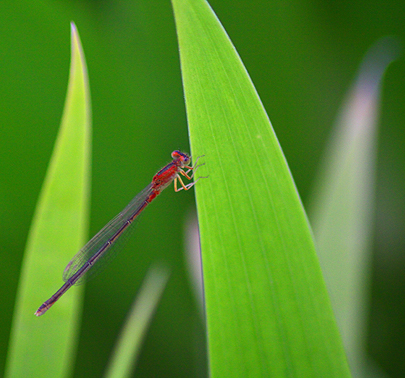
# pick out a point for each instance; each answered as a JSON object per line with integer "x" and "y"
{"x": 101, "y": 239}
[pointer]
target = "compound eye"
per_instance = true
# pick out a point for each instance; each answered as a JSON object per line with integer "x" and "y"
{"x": 176, "y": 154}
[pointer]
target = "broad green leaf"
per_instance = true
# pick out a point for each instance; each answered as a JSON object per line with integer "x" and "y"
{"x": 342, "y": 205}
{"x": 133, "y": 333}
{"x": 268, "y": 312}
{"x": 44, "y": 346}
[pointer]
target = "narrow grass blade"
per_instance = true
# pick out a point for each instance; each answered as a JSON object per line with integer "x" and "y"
{"x": 133, "y": 333}
{"x": 268, "y": 312}
{"x": 193, "y": 259}
{"x": 43, "y": 347}
{"x": 342, "y": 205}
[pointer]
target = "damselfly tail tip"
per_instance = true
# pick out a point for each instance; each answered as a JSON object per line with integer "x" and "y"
{"x": 42, "y": 309}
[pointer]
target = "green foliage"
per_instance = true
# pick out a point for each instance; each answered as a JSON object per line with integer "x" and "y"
{"x": 343, "y": 203}
{"x": 268, "y": 313}
{"x": 129, "y": 344}
{"x": 301, "y": 58}
{"x": 45, "y": 347}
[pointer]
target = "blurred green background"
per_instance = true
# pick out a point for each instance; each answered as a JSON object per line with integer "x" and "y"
{"x": 302, "y": 57}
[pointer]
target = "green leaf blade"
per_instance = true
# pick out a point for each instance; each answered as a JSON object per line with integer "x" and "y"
{"x": 132, "y": 335}
{"x": 268, "y": 312}
{"x": 43, "y": 347}
{"x": 342, "y": 205}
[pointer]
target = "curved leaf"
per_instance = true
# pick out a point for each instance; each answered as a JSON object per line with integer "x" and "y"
{"x": 43, "y": 347}
{"x": 268, "y": 312}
